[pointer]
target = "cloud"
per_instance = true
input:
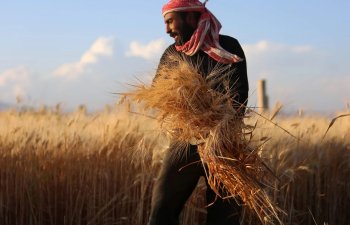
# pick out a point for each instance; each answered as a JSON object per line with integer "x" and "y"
{"x": 148, "y": 51}
{"x": 302, "y": 49}
{"x": 102, "y": 47}
{"x": 15, "y": 83}
{"x": 297, "y": 75}
{"x": 266, "y": 47}
{"x": 266, "y": 59}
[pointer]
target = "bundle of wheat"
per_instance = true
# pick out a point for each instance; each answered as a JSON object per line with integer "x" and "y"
{"x": 191, "y": 109}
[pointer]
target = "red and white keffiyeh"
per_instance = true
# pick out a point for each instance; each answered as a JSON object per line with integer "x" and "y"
{"x": 206, "y": 36}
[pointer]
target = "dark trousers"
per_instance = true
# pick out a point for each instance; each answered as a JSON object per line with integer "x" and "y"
{"x": 177, "y": 179}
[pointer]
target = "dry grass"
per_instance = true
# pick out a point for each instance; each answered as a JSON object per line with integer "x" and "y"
{"x": 85, "y": 169}
{"x": 74, "y": 169}
{"x": 313, "y": 168}
{"x": 191, "y": 107}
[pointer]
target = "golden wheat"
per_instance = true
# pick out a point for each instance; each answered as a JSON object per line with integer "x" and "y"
{"x": 77, "y": 168}
{"x": 74, "y": 168}
{"x": 312, "y": 167}
{"x": 190, "y": 107}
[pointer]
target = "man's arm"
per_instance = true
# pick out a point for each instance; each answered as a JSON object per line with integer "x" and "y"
{"x": 238, "y": 78}
{"x": 164, "y": 60}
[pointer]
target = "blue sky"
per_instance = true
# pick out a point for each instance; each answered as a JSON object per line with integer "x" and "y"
{"x": 80, "y": 52}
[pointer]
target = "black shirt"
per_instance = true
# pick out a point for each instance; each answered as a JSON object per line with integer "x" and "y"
{"x": 237, "y": 72}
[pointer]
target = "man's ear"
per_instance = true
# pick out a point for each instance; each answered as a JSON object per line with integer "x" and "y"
{"x": 192, "y": 20}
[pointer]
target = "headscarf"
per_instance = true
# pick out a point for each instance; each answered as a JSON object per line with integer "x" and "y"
{"x": 206, "y": 36}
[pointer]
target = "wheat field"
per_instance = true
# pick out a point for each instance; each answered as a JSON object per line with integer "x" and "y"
{"x": 79, "y": 168}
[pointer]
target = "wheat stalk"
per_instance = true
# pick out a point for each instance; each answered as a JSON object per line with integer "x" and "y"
{"x": 191, "y": 109}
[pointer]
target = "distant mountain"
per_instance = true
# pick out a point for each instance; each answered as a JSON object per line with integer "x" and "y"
{"x": 4, "y": 105}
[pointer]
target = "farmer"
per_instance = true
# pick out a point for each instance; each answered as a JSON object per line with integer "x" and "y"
{"x": 196, "y": 33}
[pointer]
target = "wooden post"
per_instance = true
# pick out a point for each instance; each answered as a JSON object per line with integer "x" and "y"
{"x": 263, "y": 99}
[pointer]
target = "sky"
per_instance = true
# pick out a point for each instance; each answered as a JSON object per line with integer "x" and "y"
{"x": 83, "y": 52}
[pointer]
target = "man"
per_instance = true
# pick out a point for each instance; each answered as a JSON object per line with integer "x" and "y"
{"x": 196, "y": 33}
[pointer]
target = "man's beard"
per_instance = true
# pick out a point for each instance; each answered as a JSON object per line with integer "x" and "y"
{"x": 185, "y": 35}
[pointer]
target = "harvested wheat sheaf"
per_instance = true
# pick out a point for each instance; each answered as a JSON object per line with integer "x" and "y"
{"x": 191, "y": 109}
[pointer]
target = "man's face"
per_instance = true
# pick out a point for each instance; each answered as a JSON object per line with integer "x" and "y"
{"x": 178, "y": 28}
